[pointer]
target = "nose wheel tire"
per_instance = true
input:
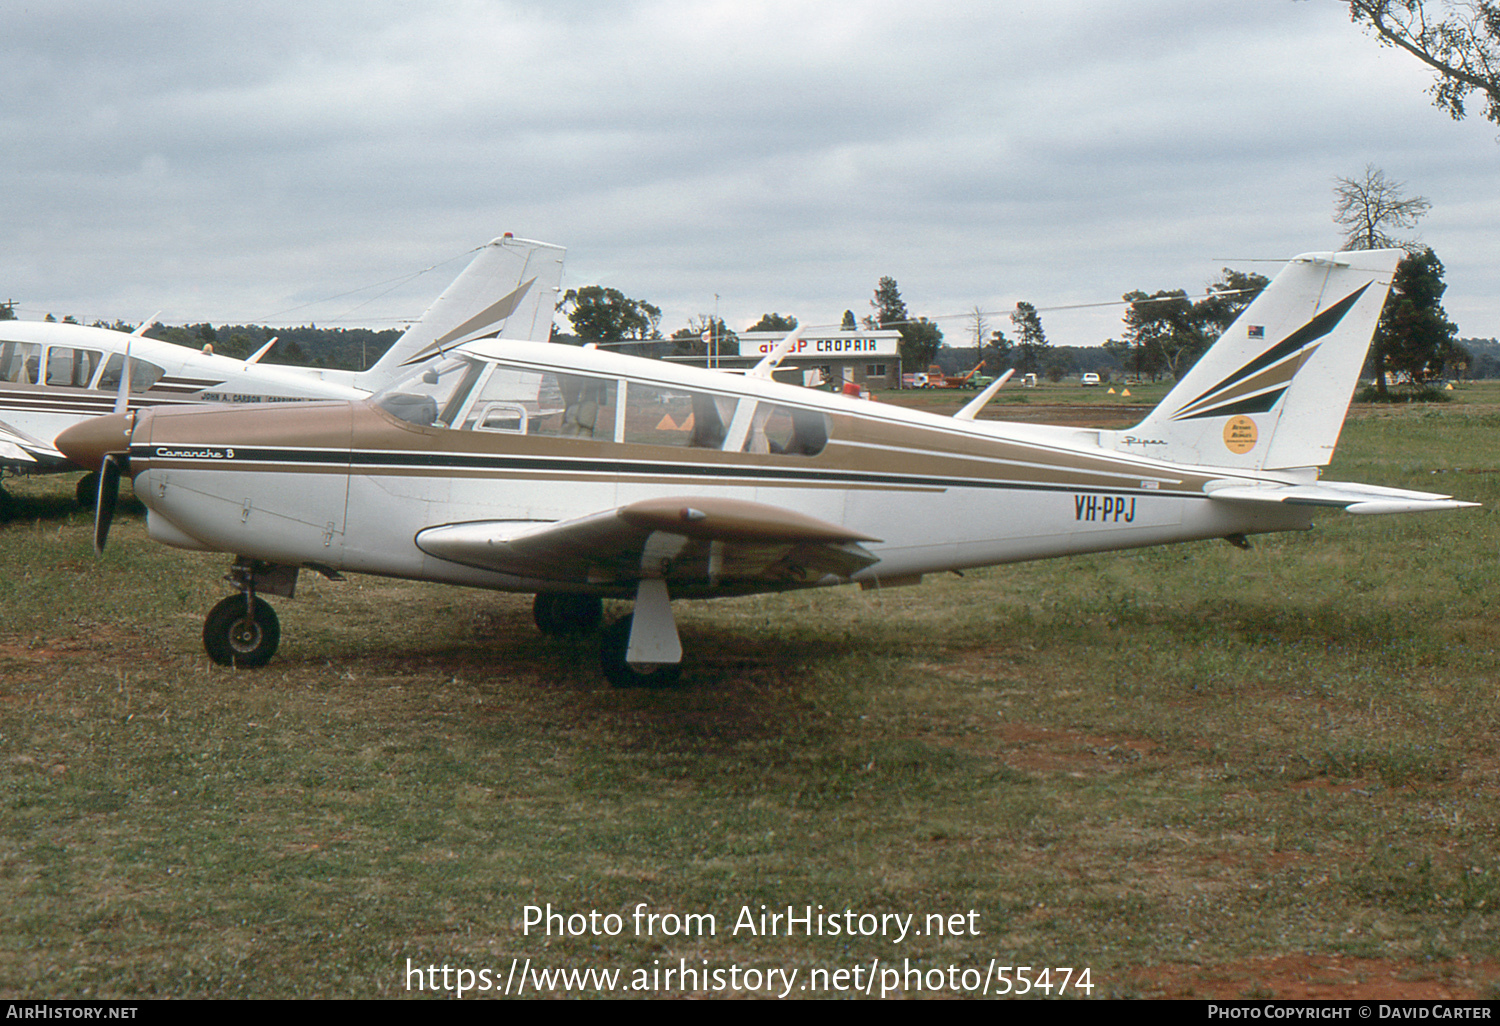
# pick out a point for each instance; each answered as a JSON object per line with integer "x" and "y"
{"x": 621, "y": 674}
{"x": 234, "y": 637}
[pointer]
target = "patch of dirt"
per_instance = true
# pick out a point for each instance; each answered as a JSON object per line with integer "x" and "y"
{"x": 1321, "y": 978}
{"x": 1041, "y": 749}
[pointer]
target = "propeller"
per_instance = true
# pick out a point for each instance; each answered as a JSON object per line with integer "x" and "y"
{"x": 113, "y": 463}
{"x": 109, "y": 495}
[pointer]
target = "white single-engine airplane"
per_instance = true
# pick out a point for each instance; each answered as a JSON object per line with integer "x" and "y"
{"x": 579, "y": 474}
{"x": 54, "y": 375}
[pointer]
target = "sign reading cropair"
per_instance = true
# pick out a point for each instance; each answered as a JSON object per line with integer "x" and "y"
{"x": 1240, "y": 435}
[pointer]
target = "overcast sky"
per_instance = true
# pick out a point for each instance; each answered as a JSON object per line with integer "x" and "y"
{"x": 249, "y": 162}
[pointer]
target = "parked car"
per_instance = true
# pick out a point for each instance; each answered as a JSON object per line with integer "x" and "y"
{"x": 1090, "y": 379}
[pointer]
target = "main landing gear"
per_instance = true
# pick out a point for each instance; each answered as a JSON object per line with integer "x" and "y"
{"x": 622, "y": 674}
{"x": 637, "y": 651}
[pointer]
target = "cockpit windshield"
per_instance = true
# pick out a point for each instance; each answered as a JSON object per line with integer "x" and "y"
{"x": 433, "y": 396}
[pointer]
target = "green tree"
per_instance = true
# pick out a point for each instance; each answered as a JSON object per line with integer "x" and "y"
{"x": 1227, "y": 298}
{"x": 848, "y": 322}
{"x": 1031, "y": 340}
{"x": 1163, "y": 334}
{"x": 1414, "y": 339}
{"x": 774, "y": 322}
{"x": 239, "y": 346}
{"x": 920, "y": 338}
{"x": 8, "y": 311}
{"x": 1459, "y": 40}
{"x": 920, "y": 341}
{"x": 889, "y": 308}
{"x": 996, "y": 353}
{"x": 600, "y": 314}
{"x": 1366, "y": 208}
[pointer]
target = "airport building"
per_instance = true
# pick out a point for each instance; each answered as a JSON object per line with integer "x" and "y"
{"x": 868, "y": 358}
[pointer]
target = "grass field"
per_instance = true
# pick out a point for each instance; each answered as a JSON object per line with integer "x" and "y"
{"x": 1195, "y": 771}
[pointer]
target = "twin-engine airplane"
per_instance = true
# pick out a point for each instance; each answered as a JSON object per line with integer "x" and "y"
{"x": 579, "y": 474}
{"x": 54, "y": 375}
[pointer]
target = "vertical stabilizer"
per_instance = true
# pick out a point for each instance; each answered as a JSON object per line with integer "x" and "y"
{"x": 1272, "y": 392}
{"x": 509, "y": 290}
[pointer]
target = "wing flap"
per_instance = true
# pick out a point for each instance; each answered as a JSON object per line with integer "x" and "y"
{"x": 1348, "y": 496}
{"x": 693, "y": 539}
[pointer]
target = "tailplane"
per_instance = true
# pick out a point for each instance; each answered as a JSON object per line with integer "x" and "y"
{"x": 509, "y": 290}
{"x": 1272, "y": 392}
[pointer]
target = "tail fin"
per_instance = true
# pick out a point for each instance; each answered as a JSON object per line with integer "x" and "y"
{"x": 1272, "y": 392}
{"x": 509, "y": 290}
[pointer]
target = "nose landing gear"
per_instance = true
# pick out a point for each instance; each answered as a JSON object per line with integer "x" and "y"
{"x": 242, "y": 632}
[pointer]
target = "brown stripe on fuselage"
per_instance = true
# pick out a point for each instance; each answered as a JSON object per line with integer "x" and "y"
{"x": 929, "y": 456}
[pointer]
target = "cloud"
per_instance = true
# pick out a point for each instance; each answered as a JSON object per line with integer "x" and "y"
{"x": 229, "y": 161}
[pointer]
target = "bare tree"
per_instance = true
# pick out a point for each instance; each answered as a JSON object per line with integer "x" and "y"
{"x": 1366, "y": 208}
{"x": 1462, "y": 44}
{"x": 978, "y": 328}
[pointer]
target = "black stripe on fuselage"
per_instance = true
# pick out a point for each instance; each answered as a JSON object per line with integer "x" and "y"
{"x": 218, "y": 457}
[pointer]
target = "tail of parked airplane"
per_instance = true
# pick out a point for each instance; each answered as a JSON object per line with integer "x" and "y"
{"x": 1272, "y": 392}
{"x": 509, "y": 290}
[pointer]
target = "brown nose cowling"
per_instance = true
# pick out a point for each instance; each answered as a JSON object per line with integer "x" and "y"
{"x": 87, "y": 442}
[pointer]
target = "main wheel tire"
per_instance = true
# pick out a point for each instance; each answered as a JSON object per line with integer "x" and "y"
{"x": 567, "y": 613}
{"x": 88, "y": 490}
{"x": 626, "y": 675}
{"x": 233, "y": 639}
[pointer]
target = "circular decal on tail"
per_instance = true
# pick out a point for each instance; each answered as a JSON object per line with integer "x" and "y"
{"x": 1240, "y": 435}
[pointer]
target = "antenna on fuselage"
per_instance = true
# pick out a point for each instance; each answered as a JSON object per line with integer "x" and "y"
{"x": 972, "y": 408}
{"x": 263, "y": 350}
{"x": 772, "y": 360}
{"x": 145, "y": 326}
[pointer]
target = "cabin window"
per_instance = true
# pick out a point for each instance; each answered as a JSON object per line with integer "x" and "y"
{"x": 20, "y": 362}
{"x": 655, "y": 415}
{"x": 142, "y": 374}
{"x": 786, "y": 430}
{"x": 72, "y": 368}
{"x": 529, "y": 402}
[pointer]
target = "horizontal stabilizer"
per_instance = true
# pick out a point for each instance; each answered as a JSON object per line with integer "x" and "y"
{"x": 1351, "y": 498}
